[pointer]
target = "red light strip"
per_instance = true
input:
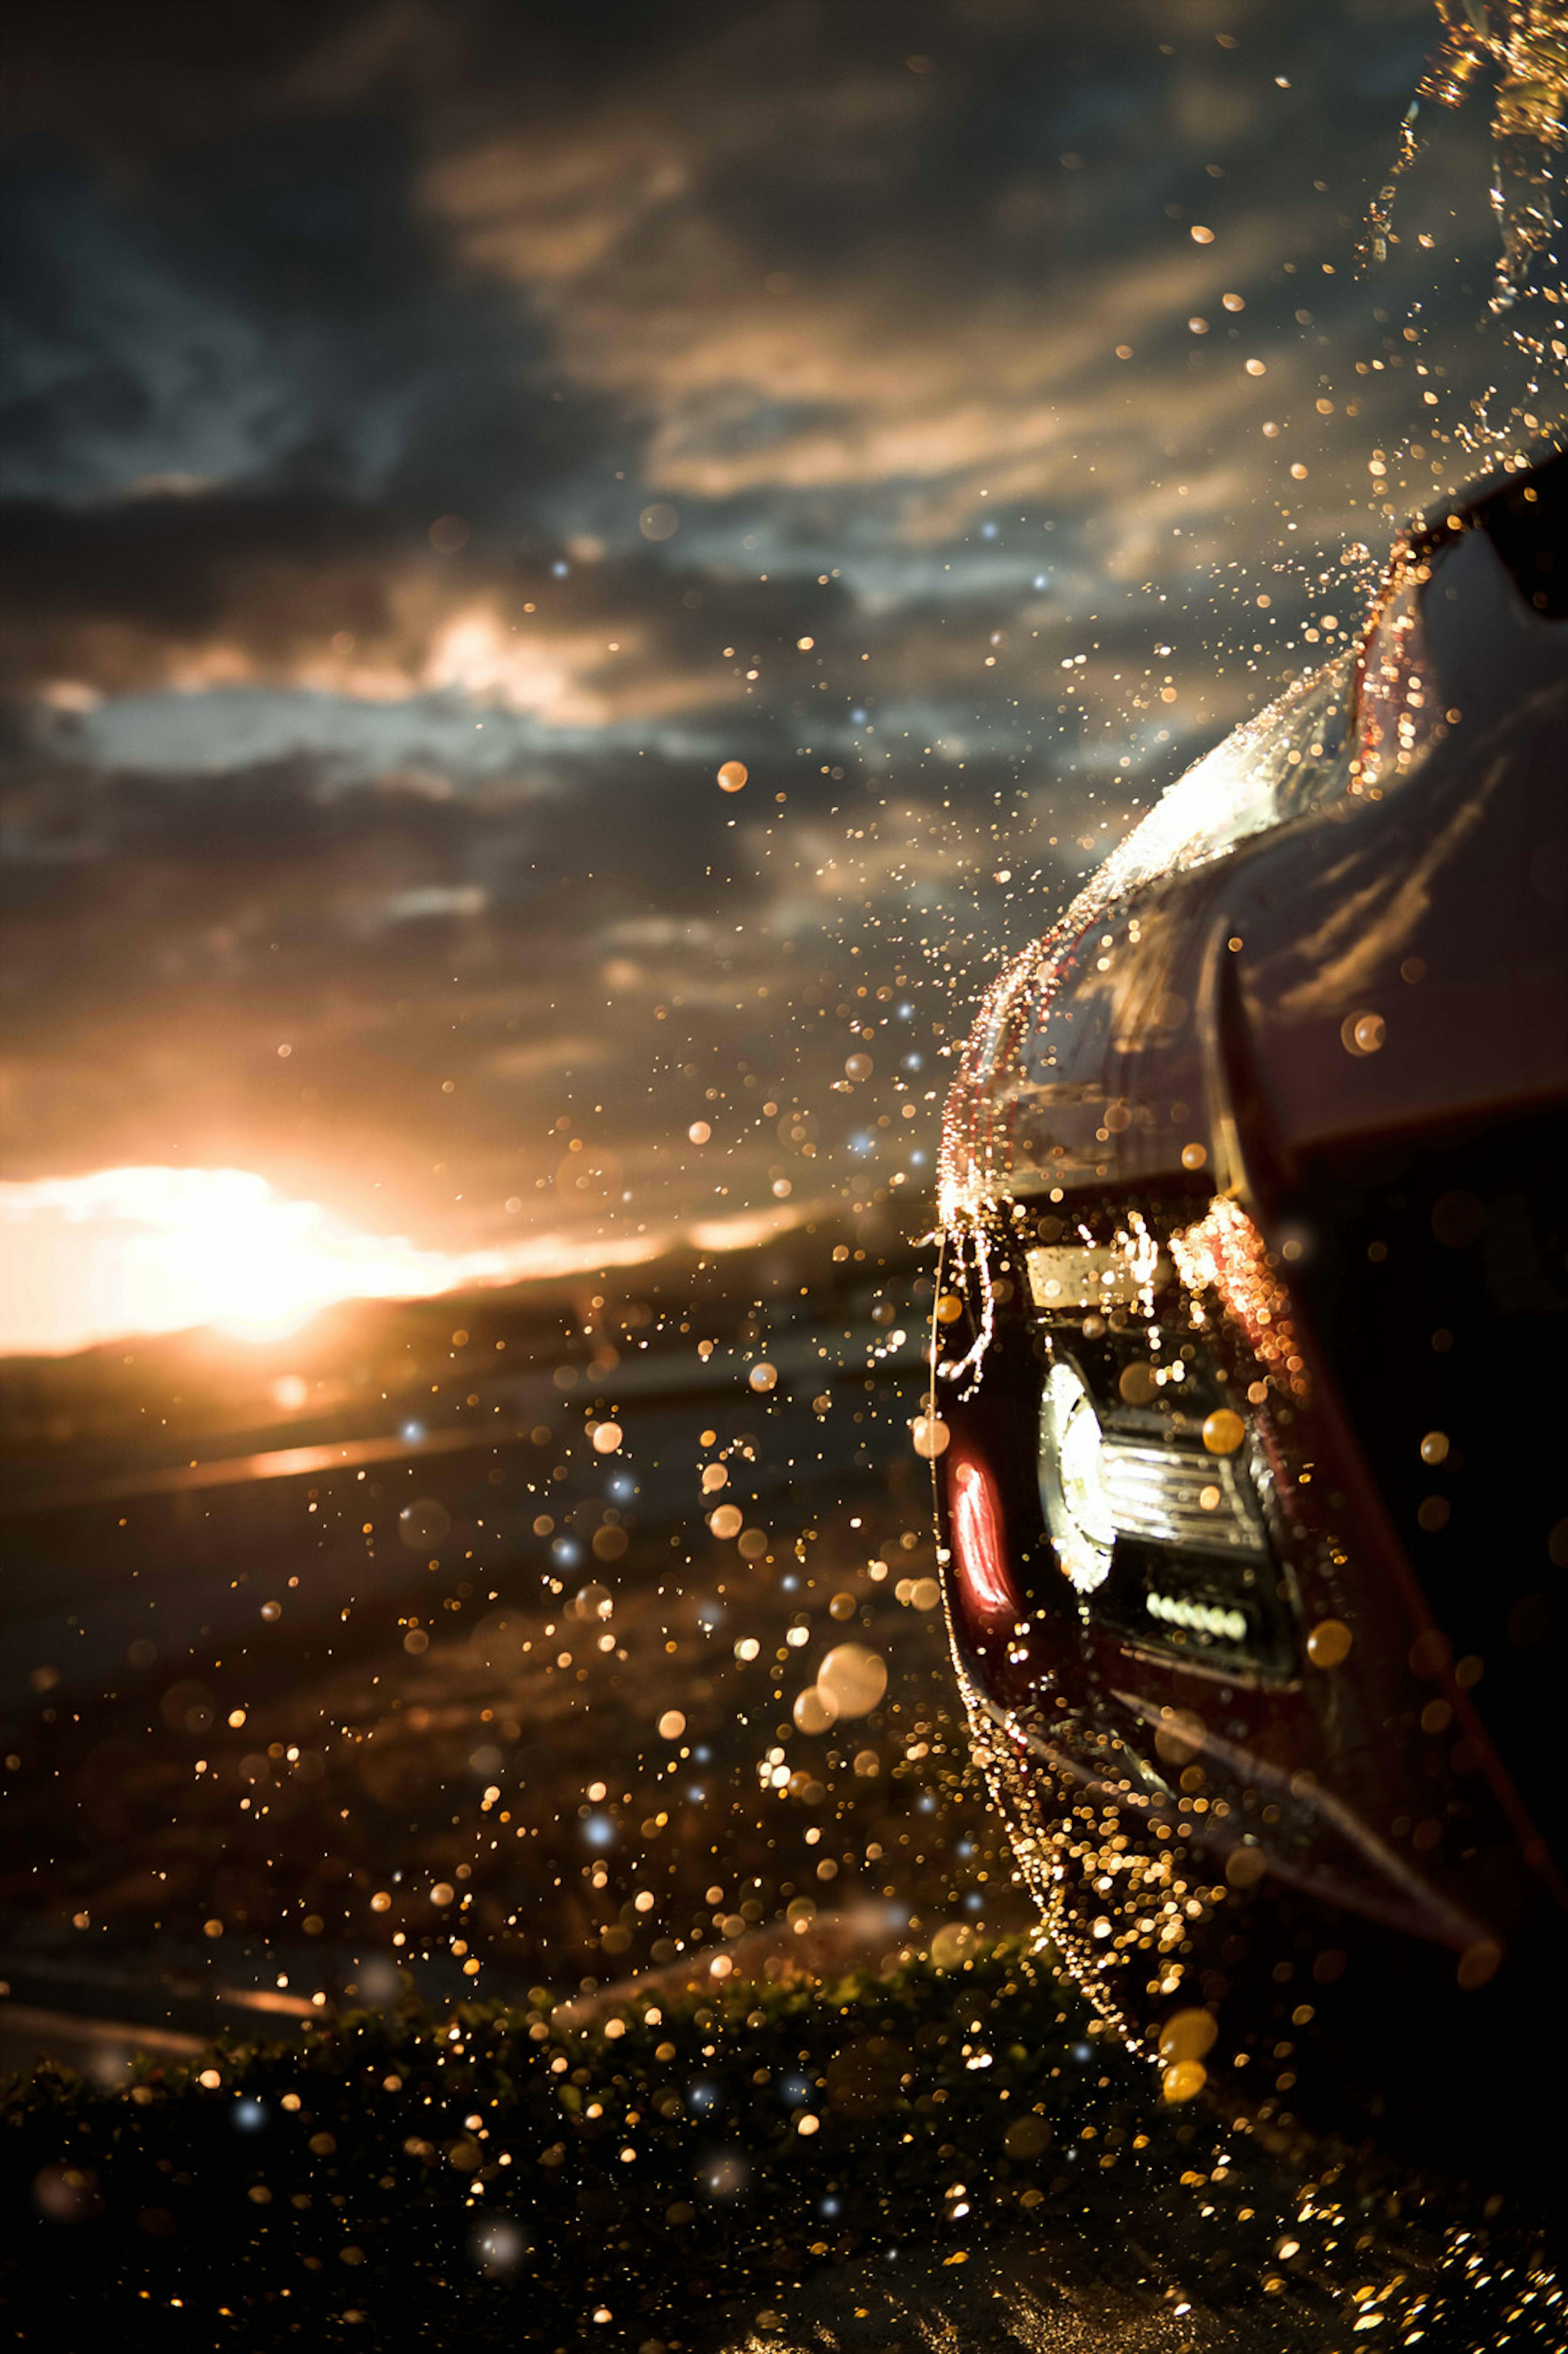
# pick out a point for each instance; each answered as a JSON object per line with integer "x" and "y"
{"x": 976, "y": 1542}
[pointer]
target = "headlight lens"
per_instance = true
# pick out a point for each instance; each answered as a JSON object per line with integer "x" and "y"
{"x": 1098, "y": 1484}
{"x": 1176, "y": 1496}
{"x": 1071, "y": 1479}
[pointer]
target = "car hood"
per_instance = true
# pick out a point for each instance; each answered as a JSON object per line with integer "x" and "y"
{"x": 1347, "y": 919}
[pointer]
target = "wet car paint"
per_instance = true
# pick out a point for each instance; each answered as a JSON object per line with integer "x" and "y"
{"x": 1262, "y": 1148}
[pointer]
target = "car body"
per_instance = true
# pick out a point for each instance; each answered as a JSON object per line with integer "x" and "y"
{"x": 1248, "y": 1372}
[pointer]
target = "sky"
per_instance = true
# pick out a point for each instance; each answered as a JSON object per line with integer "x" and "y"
{"x": 435, "y": 439}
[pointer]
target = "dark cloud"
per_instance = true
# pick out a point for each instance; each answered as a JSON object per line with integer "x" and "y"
{"x": 292, "y": 589}
{"x": 437, "y": 436}
{"x": 452, "y": 971}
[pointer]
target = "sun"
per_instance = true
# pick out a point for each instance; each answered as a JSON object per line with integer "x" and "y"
{"x": 139, "y": 1250}
{"x": 152, "y": 1249}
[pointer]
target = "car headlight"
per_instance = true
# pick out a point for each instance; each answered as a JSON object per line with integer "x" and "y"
{"x": 1098, "y": 1484}
{"x": 1073, "y": 1490}
{"x": 1175, "y": 1495}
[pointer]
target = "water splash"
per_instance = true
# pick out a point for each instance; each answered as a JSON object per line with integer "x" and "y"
{"x": 1524, "y": 43}
{"x": 1527, "y": 125}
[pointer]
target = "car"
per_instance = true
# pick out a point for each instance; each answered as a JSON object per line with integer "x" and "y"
{"x": 1249, "y": 1418}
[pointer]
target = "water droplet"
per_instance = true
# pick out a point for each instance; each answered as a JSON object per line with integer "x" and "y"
{"x": 1363, "y": 1033}
{"x": 815, "y": 1710}
{"x": 1329, "y": 1643}
{"x": 1184, "y": 2081}
{"x": 1188, "y": 2035}
{"x": 1224, "y": 1431}
{"x": 854, "y": 1677}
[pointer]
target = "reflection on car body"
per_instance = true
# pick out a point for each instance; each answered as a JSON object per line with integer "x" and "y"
{"x": 1249, "y": 1355}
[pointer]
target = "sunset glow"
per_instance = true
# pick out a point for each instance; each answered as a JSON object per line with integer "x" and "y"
{"x": 123, "y": 1251}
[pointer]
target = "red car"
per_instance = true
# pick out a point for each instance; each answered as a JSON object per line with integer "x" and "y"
{"x": 1250, "y": 1354}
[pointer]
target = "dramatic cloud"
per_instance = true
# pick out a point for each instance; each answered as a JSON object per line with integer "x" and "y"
{"x": 349, "y": 601}
{"x": 694, "y": 259}
{"x": 435, "y": 440}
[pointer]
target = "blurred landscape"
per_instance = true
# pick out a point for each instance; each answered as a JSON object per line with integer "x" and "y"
{"x": 416, "y": 1810}
{"x": 302, "y": 1631}
{"x": 422, "y": 1807}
